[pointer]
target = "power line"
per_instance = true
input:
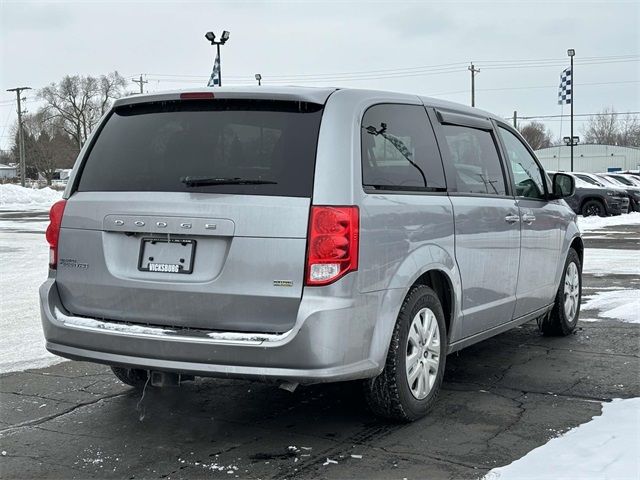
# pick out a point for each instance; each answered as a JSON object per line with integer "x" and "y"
{"x": 414, "y": 71}
{"x": 499, "y": 89}
{"x": 578, "y": 115}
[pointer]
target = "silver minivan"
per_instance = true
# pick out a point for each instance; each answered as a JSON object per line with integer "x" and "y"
{"x": 305, "y": 235}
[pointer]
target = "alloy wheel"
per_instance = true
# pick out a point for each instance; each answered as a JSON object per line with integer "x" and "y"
{"x": 423, "y": 353}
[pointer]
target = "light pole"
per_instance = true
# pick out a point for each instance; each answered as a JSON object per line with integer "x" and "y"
{"x": 223, "y": 39}
{"x": 259, "y": 79}
{"x": 571, "y": 52}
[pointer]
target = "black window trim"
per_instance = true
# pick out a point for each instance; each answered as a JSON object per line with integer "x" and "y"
{"x": 448, "y": 117}
{"x": 509, "y": 128}
{"x": 462, "y": 119}
{"x": 409, "y": 190}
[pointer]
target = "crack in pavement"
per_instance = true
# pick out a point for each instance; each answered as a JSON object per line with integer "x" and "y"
{"x": 75, "y": 434}
{"x": 41, "y": 420}
{"x": 406, "y": 455}
{"x": 572, "y": 350}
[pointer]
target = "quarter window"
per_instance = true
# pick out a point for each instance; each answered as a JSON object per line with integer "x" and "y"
{"x": 475, "y": 160}
{"x": 399, "y": 149}
{"x": 526, "y": 173}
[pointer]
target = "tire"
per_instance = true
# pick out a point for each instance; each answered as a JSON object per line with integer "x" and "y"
{"x": 593, "y": 207}
{"x": 133, "y": 377}
{"x": 562, "y": 319}
{"x": 390, "y": 394}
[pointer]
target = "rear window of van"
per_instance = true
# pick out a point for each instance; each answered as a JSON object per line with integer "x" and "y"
{"x": 227, "y": 146}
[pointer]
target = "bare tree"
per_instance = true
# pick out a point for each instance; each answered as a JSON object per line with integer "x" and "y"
{"x": 608, "y": 128}
{"x": 79, "y": 101}
{"x": 629, "y": 131}
{"x": 47, "y": 145}
{"x": 536, "y": 135}
{"x": 603, "y": 128}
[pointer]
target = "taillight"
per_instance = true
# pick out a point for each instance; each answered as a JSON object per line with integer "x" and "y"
{"x": 53, "y": 231}
{"x": 332, "y": 249}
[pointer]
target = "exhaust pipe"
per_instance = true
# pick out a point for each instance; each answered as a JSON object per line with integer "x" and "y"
{"x": 167, "y": 379}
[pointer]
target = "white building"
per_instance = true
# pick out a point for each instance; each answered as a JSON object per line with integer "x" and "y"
{"x": 590, "y": 158}
{"x": 7, "y": 171}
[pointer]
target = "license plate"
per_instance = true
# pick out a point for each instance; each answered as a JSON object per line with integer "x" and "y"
{"x": 167, "y": 255}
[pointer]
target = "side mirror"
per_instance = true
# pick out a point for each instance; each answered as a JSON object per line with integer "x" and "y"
{"x": 563, "y": 186}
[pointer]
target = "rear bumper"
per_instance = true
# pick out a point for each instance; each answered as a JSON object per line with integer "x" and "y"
{"x": 331, "y": 341}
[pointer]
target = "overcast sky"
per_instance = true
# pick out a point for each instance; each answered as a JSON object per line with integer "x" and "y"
{"x": 331, "y": 43}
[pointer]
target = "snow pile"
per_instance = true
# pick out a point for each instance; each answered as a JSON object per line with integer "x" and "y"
{"x": 15, "y": 196}
{"x": 623, "y": 305}
{"x": 605, "y": 447}
{"x": 589, "y": 224}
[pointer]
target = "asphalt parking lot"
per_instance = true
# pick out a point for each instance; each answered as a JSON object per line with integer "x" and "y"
{"x": 500, "y": 399}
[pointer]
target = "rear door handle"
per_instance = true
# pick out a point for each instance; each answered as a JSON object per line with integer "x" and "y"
{"x": 528, "y": 218}
{"x": 512, "y": 218}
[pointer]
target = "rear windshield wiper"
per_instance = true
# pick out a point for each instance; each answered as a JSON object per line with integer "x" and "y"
{"x": 205, "y": 181}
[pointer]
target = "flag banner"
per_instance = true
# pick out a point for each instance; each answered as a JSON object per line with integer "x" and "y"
{"x": 566, "y": 87}
{"x": 214, "y": 80}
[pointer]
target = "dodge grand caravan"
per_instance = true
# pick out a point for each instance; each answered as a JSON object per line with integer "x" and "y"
{"x": 303, "y": 235}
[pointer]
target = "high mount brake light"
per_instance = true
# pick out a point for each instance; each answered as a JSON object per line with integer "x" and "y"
{"x": 332, "y": 249}
{"x": 197, "y": 96}
{"x": 53, "y": 231}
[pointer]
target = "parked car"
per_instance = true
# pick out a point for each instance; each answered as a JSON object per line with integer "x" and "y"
{"x": 590, "y": 198}
{"x": 305, "y": 235}
{"x": 612, "y": 184}
{"x": 629, "y": 183}
{"x": 619, "y": 192}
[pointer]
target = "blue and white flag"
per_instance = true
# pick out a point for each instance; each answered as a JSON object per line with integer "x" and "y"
{"x": 566, "y": 87}
{"x": 214, "y": 80}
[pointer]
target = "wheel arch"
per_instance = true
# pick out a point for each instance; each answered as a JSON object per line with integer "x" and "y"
{"x": 443, "y": 280}
{"x": 578, "y": 245}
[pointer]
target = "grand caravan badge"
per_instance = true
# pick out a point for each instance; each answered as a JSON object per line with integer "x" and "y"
{"x": 72, "y": 263}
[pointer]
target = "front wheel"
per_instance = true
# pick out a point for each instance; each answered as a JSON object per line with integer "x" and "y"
{"x": 593, "y": 208}
{"x": 563, "y": 317}
{"x": 408, "y": 386}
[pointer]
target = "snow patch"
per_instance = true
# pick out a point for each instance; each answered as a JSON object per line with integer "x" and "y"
{"x": 623, "y": 305}
{"x": 589, "y": 224}
{"x": 19, "y": 198}
{"x": 237, "y": 336}
{"x": 605, "y": 447}
{"x": 24, "y": 266}
{"x": 605, "y": 261}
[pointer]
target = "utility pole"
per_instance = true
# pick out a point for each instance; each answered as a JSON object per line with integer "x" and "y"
{"x": 23, "y": 169}
{"x": 473, "y": 71}
{"x": 141, "y": 82}
{"x": 515, "y": 119}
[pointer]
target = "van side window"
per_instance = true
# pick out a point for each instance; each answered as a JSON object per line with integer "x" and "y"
{"x": 399, "y": 149}
{"x": 475, "y": 160}
{"x": 526, "y": 173}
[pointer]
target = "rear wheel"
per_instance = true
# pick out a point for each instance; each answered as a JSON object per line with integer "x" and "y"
{"x": 563, "y": 318}
{"x": 133, "y": 377}
{"x": 593, "y": 207}
{"x": 408, "y": 386}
